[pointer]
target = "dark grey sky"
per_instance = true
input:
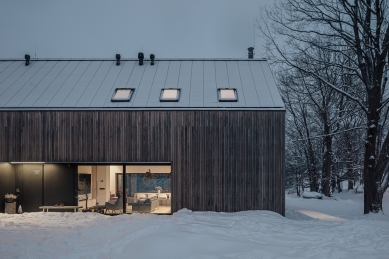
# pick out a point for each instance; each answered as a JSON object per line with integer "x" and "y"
{"x": 102, "y": 28}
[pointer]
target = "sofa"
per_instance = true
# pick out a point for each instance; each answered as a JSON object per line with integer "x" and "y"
{"x": 145, "y": 205}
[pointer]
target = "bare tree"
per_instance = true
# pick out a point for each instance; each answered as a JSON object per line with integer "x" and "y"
{"x": 316, "y": 115}
{"x": 357, "y": 32}
{"x": 300, "y": 125}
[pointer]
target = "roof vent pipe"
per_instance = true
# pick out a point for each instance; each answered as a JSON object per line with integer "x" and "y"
{"x": 117, "y": 59}
{"x": 152, "y": 57}
{"x": 141, "y": 57}
{"x": 27, "y": 57}
{"x": 251, "y": 52}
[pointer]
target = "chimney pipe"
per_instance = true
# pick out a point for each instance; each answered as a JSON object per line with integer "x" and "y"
{"x": 118, "y": 59}
{"x": 27, "y": 57}
{"x": 152, "y": 57}
{"x": 141, "y": 57}
{"x": 251, "y": 52}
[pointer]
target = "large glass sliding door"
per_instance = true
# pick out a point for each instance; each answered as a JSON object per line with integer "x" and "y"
{"x": 148, "y": 191}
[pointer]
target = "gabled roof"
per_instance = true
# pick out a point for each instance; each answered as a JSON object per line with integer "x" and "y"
{"x": 90, "y": 84}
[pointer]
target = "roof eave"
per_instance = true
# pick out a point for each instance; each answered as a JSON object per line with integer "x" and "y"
{"x": 143, "y": 109}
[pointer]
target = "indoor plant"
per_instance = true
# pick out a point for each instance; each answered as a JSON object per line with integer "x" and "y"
{"x": 10, "y": 198}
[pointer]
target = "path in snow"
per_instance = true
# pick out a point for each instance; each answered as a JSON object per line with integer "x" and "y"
{"x": 321, "y": 216}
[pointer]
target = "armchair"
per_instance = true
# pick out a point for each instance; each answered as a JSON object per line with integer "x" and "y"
{"x": 118, "y": 205}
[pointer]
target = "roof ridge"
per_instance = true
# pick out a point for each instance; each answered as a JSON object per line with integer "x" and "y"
{"x": 134, "y": 59}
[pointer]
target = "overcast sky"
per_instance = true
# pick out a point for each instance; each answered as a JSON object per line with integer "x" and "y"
{"x": 102, "y": 28}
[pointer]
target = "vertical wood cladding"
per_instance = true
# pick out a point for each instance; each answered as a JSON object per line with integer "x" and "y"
{"x": 221, "y": 160}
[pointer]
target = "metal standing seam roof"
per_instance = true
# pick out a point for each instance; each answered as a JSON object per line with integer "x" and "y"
{"x": 90, "y": 84}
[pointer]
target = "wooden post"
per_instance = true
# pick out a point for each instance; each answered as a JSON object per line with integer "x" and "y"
{"x": 124, "y": 190}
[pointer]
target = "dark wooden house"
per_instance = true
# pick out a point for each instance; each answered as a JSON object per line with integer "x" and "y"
{"x": 219, "y": 126}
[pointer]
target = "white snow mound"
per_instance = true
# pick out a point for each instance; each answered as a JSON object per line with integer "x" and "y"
{"x": 312, "y": 195}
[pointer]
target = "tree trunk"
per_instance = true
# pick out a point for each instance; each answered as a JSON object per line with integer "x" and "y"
{"x": 312, "y": 168}
{"x": 372, "y": 196}
{"x": 350, "y": 171}
{"x": 311, "y": 165}
{"x": 333, "y": 186}
{"x": 350, "y": 185}
{"x": 339, "y": 187}
{"x": 351, "y": 177}
{"x": 297, "y": 184}
{"x": 327, "y": 160}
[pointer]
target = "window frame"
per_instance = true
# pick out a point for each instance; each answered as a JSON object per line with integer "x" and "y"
{"x": 227, "y": 99}
{"x": 113, "y": 99}
{"x": 161, "y": 99}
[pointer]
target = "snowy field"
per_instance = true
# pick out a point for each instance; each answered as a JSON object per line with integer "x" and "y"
{"x": 329, "y": 228}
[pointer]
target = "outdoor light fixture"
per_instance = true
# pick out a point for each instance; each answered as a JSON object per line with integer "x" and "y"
{"x": 141, "y": 57}
{"x": 117, "y": 59}
{"x": 27, "y": 57}
{"x": 152, "y": 57}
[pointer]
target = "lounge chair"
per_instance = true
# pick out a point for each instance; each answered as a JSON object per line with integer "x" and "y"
{"x": 118, "y": 205}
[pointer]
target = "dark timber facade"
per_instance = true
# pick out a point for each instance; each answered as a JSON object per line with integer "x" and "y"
{"x": 222, "y": 159}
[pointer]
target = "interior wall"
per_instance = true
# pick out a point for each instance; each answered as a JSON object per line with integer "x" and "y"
{"x": 85, "y": 169}
{"x": 110, "y": 186}
{"x": 103, "y": 179}
{"x": 114, "y": 169}
{"x": 166, "y": 169}
{"x": 7, "y": 182}
{"x": 58, "y": 184}
{"x": 19, "y": 183}
{"x": 94, "y": 182}
{"x": 33, "y": 187}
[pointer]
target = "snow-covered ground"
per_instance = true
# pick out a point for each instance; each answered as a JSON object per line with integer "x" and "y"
{"x": 341, "y": 232}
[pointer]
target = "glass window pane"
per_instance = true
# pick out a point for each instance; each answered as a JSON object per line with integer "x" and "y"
{"x": 227, "y": 94}
{"x": 122, "y": 94}
{"x": 170, "y": 94}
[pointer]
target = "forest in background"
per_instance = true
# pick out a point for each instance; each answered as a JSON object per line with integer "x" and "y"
{"x": 330, "y": 59}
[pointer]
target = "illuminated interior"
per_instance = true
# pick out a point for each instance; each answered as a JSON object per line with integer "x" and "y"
{"x": 147, "y": 188}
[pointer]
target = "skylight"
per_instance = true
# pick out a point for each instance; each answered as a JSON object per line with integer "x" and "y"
{"x": 170, "y": 95}
{"x": 227, "y": 95}
{"x": 122, "y": 95}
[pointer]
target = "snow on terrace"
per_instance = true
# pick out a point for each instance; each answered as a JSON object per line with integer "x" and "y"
{"x": 186, "y": 234}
